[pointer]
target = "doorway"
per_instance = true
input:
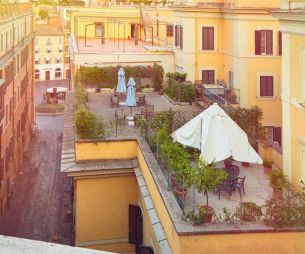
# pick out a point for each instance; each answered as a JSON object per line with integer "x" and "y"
{"x": 47, "y": 75}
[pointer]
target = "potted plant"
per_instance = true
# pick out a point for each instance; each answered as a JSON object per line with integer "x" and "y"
{"x": 207, "y": 178}
{"x": 278, "y": 181}
{"x": 228, "y": 162}
{"x": 249, "y": 212}
{"x": 267, "y": 166}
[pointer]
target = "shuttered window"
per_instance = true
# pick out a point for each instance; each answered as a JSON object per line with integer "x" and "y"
{"x": 207, "y": 38}
{"x": 263, "y": 42}
{"x": 208, "y": 76}
{"x": 266, "y": 86}
{"x": 169, "y": 31}
{"x": 178, "y": 37}
{"x": 277, "y": 135}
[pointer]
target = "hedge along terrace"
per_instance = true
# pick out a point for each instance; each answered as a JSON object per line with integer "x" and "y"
{"x": 107, "y": 77}
{"x": 177, "y": 90}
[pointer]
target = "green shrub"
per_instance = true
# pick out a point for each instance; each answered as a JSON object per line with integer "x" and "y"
{"x": 85, "y": 122}
{"x": 107, "y": 77}
{"x": 180, "y": 92}
{"x": 177, "y": 76}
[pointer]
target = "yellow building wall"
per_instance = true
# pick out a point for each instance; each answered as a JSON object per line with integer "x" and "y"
{"x": 297, "y": 113}
{"x": 264, "y": 243}
{"x": 169, "y": 228}
{"x": 101, "y": 212}
{"x": 106, "y": 150}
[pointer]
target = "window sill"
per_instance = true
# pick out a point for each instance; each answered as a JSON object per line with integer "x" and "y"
{"x": 266, "y": 98}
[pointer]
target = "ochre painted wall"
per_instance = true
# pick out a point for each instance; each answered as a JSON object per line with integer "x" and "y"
{"x": 169, "y": 228}
{"x": 106, "y": 150}
{"x": 101, "y": 211}
{"x": 264, "y": 243}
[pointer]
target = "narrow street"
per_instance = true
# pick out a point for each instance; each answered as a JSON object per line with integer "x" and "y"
{"x": 41, "y": 195}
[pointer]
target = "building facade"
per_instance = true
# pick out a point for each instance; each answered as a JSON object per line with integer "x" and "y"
{"x": 292, "y": 25}
{"x": 16, "y": 91}
{"x": 49, "y": 50}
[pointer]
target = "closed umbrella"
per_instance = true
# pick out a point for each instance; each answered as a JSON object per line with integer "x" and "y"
{"x": 217, "y": 136}
{"x": 121, "y": 87}
{"x": 131, "y": 94}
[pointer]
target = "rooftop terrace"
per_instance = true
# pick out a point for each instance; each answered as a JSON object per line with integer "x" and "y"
{"x": 256, "y": 186}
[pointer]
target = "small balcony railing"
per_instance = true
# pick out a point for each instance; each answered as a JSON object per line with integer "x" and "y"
{"x": 217, "y": 93}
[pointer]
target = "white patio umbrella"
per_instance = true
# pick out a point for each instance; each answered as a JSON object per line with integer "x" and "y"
{"x": 217, "y": 136}
{"x": 121, "y": 87}
{"x": 131, "y": 94}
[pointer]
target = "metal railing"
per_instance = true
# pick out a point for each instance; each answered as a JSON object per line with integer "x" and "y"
{"x": 219, "y": 94}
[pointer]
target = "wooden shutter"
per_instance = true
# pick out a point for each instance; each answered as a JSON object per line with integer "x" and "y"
{"x": 269, "y": 88}
{"x": 204, "y": 38}
{"x": 181, "y": 37}
{"x": 269, "y": 42}
{"x": 205, "y": 77}
{"x": 257, "y": 42}
{"x": 263, "y": 86}
{"x": 277, "y": 135}
{"x": 211, "y": 77}
{"x": 135, "y": 234}
{"x": 176, "y": 36}
{"x": 280, "y": 43}
{"x": 211, "y": 38}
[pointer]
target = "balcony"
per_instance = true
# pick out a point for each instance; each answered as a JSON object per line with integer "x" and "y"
{"x": 219, "y": 93}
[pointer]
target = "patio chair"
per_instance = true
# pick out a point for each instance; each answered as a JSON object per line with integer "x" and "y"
{"x": 114, "y": 101}
{"x": 225, "y": 186}
{"x": 148, "y": 109}
{"x": 120, "y": 116}
{"x": 141, "y": 101}
{"x": 239, "y": 184}
{"x": 234, "y": 169}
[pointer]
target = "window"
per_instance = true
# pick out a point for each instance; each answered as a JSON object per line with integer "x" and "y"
{"x": 67, "y": 48}
{"x": 59, "y": 40}
{"x": 36, "y": 41}
{"x": 280, "y": 43}
{"x": 277, "y": 135}
{"x": 266, "y": 86}
{"x": 208, "y": 76}
{"x": 207, "y": 38}
{"x": 57, "y": 73}
{"x": 36, "y": 49}
{"x": 263, "y": 42}
{"x": 58, "y": 59}
{"x": 169, "y": 31}
{"x": 133, "y": 30}
{"x": 60, "y": 50}
{"x": 48, "y": 60}
{"x": 178, "y": 37}
{"x": 49, "y": 43}
{"x": 37, "y": 60}
{"x": 99, "y": 27}
{"x": 49, "y": 50}
{"x": 67, "y": 60}
{"x": 231, "y": 78}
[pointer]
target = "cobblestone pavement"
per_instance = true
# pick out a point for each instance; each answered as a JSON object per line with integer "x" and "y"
{"x": 41, "y": 195}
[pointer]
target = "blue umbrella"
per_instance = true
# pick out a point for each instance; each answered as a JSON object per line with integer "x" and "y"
{"x": 121, "y": 87}
{"x": 131, "y": 94}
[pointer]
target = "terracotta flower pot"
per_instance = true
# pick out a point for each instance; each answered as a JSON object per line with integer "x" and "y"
{"x": 180, "y": 192}
{"x": 245, "y": 164}
{"x": 173, "y": 180}
{"x": 207, "y": 213}
{"x": 267, "y": 170}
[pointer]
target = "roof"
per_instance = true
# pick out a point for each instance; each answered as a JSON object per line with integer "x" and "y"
{"x": 48, "y": 30}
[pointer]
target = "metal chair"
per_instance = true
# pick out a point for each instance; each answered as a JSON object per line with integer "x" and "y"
{"x": 234, "y": 169}
{"x": 240, "y": 184}
{"x": 114, "y": 101}
{"x": 225, "y": 186}
{"x": 148, "y": 109}
{"x": 141, "y": 101}
{"x": 119, "y": 116}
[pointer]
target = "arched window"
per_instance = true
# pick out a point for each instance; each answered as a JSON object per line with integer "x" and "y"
{"x": 57, "y": 73}
{"x": 37, "y": 74}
